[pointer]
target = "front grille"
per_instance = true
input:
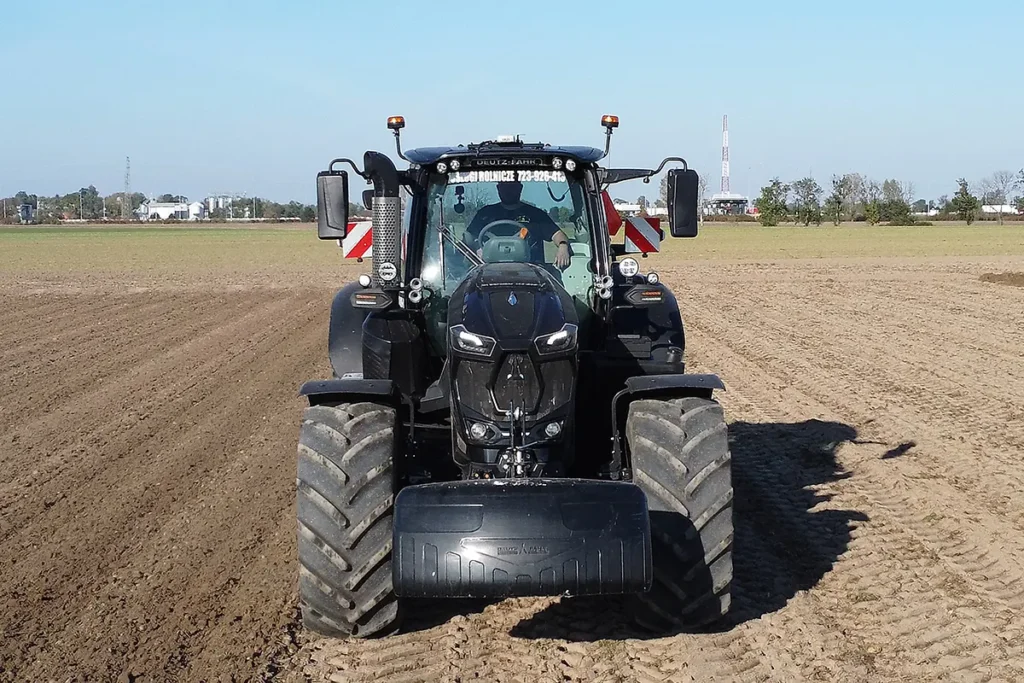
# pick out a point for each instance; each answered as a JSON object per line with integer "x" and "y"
{"x": 471, "y": 382}
{"x": 541, "y": 391}
{"x": 558, "y": 385}
{"x": 517, "y": 383}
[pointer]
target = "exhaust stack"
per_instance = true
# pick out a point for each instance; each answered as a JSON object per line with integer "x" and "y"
{"x": 387, "y": 221}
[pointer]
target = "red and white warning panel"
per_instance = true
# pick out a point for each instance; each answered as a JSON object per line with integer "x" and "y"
{"x": 643, "y": 234}
{"x": 358, "y": 243}
{"x": 611, "y": 215}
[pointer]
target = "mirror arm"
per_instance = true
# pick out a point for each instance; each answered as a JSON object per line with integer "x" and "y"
{"x": 350, "y": 163}
{"x": 668, "y": 159}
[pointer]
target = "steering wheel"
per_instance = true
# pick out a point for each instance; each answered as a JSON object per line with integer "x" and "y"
{"x": 490, "y": 227}
{"x": 501, "y": 241}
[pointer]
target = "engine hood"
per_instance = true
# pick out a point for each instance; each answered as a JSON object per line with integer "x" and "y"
{"x": 512, "y": 302}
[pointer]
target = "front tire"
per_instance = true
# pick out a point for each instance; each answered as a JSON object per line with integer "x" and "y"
{"x": 680, "y": 458}
{"x": 345, "y": 504}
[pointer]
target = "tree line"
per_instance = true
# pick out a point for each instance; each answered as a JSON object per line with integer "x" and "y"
{"x": 856, "y": 197}
{"x": 88, "y": 204}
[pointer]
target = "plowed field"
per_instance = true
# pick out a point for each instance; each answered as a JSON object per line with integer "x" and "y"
{"x": 148, "y": 422}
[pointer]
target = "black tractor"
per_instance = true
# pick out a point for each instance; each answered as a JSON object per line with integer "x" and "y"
{"x": 509, "y": 413}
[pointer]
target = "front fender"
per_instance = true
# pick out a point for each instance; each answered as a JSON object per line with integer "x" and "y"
{"x": 348, "y": 390}
{"x": 673, "y": 385}
{"x": 654, "y": 386}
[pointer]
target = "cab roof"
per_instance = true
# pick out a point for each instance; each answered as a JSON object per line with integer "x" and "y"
{"x": 429, "y": 155}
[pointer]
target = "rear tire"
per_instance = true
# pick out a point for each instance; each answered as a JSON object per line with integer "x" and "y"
{"x": 345, "y": 504}
{"x": 680, "y": 458}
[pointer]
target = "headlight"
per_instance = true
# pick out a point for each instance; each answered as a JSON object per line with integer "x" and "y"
{"x": 470, "y": 342}
{"x": 556, "y": 342}
{"x": 479, "y": 431}
{"x": 629, "y": 267}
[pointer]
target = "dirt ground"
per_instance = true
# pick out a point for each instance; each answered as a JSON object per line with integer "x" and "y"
{"x": 876, "y": 406}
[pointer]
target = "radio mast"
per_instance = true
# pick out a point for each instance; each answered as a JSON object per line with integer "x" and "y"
{"x": 725, "y": 154}
{"x": 126, "y": 198}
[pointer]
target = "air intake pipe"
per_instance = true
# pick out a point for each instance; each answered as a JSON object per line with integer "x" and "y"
{"x": 387, "y": 221}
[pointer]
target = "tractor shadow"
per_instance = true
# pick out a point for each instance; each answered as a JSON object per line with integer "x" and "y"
{"x": 783, "y": 542}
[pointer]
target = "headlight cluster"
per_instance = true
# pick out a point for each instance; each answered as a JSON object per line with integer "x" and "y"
{"x": 557, "y": 342}
{"x": 470, "y": 342}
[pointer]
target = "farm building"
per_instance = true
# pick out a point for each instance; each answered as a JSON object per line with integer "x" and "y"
{"x": 162, "y": 211}
{"x": 634, "y": 209}
{"x": 726, "y": 204}
{"x": 994, "y": 209}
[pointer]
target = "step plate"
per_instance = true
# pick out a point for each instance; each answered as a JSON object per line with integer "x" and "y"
{"x": 515, "y": 537}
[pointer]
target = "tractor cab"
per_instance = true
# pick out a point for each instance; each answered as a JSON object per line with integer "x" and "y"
{"x": 506, "y": 311}
{"x": 504, "y": 203}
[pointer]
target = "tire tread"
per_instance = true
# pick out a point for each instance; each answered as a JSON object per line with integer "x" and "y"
{"x": 345, "y": 504}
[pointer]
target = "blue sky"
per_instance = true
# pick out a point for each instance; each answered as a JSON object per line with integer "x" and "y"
{"x": 257, "y": 96}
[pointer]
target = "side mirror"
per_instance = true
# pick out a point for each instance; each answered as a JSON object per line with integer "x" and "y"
{"x": 331, "y": 205}
{"x": 682, "y": 202}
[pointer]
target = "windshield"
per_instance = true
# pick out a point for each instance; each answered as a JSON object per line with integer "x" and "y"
{"x": 511, "y": 215}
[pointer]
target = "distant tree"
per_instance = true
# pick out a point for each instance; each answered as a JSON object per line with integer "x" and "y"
{"x": 834, "y": 208}
{"x": 1018, "y": 203}
{"x": 908, "y": 192}
{"x": 663, "y": 192}
{"x": 873, "y": 211}
{"x": 272, "y": 211}
{"x": 964, "y": 204}
{"x": 842, "y": 191}
{"x": 892, "y": 190}
{"x": 86, "y": 203}
{"x": 895, "y": 212}
{"x": 357, "y": 210}
{"x": 871, "y": 194}
{"x": 807, "y": 194}
{"x": 996, "y": 190}
{"x": 168, "y": 198}
{"x": 308, "y": 214}
{"x": 887, "y": 202}
{"x": 771, "y": 205}
{"x": 702, "y": 190}
{"x": 920, "y": 206}
{"x": 855, "y": 182}
{"x": 642, "y": 203}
